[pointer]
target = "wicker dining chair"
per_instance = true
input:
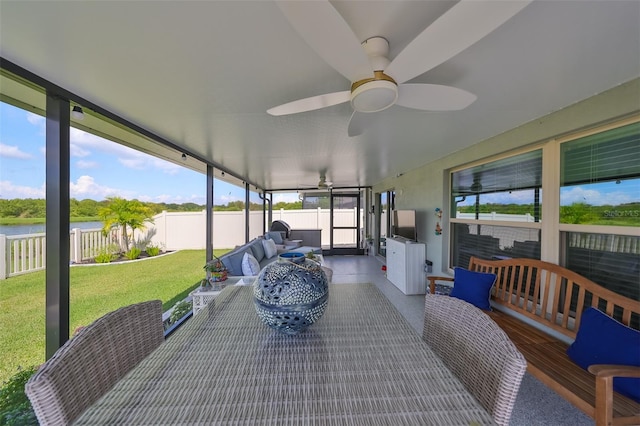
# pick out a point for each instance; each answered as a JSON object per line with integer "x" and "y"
{"x": 478, "y": 352}
{"x": 89, "y": 364}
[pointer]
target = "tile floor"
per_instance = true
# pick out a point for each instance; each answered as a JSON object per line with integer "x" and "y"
{"x": 536, "y": 404}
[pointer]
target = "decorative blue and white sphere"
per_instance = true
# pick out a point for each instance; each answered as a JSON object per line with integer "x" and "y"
{"x": 291, "y": 293}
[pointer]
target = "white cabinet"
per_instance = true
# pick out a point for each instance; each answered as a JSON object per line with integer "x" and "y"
{"x": 405, "y": 265}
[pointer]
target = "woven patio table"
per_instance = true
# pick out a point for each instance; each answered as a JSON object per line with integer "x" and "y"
{"x": 360, "y": 364}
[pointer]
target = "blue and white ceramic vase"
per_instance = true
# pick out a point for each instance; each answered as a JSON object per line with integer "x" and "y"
{"x": 291, "y": 293}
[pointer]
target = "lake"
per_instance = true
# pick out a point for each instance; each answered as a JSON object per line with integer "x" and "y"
{"x": 39, "y": 228}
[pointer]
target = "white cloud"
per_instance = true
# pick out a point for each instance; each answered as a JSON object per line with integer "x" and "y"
{"x": 84, "y": 144}
{"x": 78, "y": 151}
{"x": 515, "y": 197}
{"x": 140, "y": 161}
{"x": 133, "y": 163}
{"x": 227, "y": 198}
{"x": 14, "y": 152}
{"x": 165, "y": 166}
{"x": 9, "y": 191}
{"x": 291, "y": 197}
{"x": 86, "y": 187}
{"x": 84, "y": 164}
{"x": 578, "y": 194}
{"x": 166, "y": 198}
{"x": 36, "y": 120}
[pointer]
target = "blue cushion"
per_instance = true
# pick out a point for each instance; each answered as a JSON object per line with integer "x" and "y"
{"x": 257, "y": 249}
{"x": 275, "y": 236}
{"x": 603, "y": 340}
{"x": 233, "y": 261}
{"x": 250, "y": 266}
{"x": 473, "y": 287}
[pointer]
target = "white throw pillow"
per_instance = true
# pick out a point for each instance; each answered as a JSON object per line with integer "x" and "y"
{"x": 250, "y": 265}
{"x": 270, "y": 248}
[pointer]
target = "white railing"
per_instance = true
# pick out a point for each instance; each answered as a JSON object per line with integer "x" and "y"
{"x": 20, "y": 254}
{"x": 86, "y": 244}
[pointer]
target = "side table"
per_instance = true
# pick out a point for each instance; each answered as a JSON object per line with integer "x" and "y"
{"x": 201, "y": 297}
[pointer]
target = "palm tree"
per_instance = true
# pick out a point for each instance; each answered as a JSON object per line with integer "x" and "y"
{"x": 125, "y": 214}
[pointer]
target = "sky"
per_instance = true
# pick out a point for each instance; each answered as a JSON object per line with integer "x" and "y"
{"x": 595, "y": 194}
{"x": 99, "y": 168}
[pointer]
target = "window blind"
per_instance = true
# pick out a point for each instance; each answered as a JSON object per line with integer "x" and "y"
{"x": 522, "y": 171}
{"x": 608, "y": 156}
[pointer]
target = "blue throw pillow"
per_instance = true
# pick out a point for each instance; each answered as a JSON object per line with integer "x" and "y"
{"x": 257, "y": 248}
{"x": 473, "y": 287}
{"x": 275, "y": 236}
{"x": 603, "y": 340}
{"x": 233, "y": 261}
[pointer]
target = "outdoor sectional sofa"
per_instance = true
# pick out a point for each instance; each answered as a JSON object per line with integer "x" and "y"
{"x": 233, "y": 259}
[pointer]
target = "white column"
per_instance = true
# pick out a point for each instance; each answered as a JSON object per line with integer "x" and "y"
{"x": 3, "y": 257}
{"x": 76, "y": 238}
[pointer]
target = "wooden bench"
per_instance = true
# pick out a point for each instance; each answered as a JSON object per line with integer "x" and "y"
{"x": 543, "y": 292}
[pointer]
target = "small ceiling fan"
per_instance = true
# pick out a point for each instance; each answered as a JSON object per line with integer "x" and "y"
{"x": 323, "y": 183}
{"x": 377, "y": 83}
{"x": 469, "y": 184}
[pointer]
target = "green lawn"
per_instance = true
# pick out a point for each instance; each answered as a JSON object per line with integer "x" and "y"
{"x": 95, "y": 290}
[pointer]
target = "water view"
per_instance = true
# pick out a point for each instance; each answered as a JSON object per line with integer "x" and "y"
{"x": 40, "y": 227}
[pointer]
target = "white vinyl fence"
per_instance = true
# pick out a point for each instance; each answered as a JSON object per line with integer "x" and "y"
{"x": 20, "y": 254}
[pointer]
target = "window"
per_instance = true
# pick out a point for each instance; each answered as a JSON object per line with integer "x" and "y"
{"x": 496, "y": 207}
{"x": 612, "y": 261}
{"x": 600, "y": 178}
{"x": 505, "y": 190}
{"x": 600, "y": 189}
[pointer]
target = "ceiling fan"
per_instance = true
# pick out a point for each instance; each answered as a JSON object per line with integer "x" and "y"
{"x": 377, "y": 83}
{"x": 323, "y": 183}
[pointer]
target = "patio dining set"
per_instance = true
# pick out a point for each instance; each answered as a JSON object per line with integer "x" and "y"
{"x": 361, "y": 363}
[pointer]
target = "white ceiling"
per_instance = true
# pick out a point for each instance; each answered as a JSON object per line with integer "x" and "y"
{"x": 202, "y": 74}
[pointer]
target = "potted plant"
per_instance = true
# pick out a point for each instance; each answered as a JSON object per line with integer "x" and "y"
{"x": 216, "y": 271}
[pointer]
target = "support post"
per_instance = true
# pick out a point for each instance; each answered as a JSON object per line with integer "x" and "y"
{"x": 247, "y": 213}
{"x": 209, "y": 214}
{"x": 57, "y": 226}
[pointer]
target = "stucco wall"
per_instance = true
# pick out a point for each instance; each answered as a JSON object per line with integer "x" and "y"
{"x": 426, "y": 188}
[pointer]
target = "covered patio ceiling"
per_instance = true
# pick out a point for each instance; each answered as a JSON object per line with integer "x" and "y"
{"x": 202, "y": 74}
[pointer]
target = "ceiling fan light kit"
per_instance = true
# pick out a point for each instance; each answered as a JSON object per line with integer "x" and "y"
{"x": 374, "y": 94}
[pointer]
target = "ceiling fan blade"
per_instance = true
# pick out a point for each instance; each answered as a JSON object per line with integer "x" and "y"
{"x": 324, "y": 29}
{"x": 358, "y": 123}
{"x": 461, "y": 26}
{"x": 312, "y": 103}
{"x": 433, "y": 97}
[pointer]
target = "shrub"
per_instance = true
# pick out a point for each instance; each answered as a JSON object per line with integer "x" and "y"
{"x": 153, "y": 250}
{"x": 133, "y": 253}
{"x": 15, "y": 408}
{"x": 180, "y": 309}
{"x": 105, "y": 255}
